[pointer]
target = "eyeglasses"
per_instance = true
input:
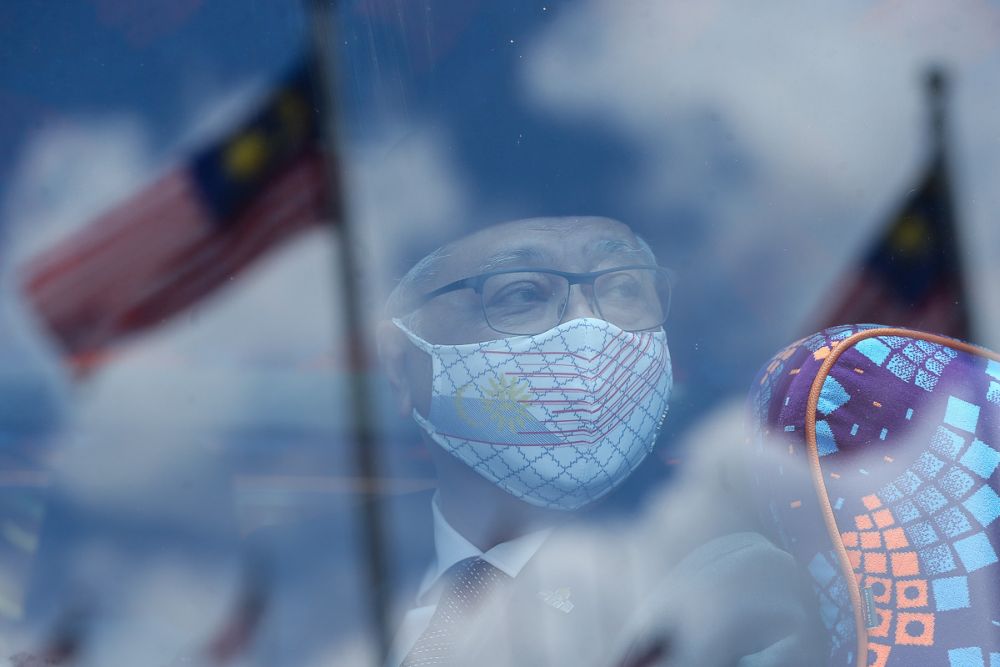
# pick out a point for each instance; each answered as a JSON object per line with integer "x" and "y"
{"x": 521, "y": 302}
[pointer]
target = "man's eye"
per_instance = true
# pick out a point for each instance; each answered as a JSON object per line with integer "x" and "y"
{"x": 621, "y": 287}
{"x": 517, "y": 294}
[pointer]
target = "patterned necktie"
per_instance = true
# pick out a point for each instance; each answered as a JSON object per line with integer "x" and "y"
{"x": 469, "y": 582}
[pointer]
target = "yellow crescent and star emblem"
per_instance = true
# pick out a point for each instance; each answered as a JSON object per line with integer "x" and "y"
{"x": 503, "y": 402}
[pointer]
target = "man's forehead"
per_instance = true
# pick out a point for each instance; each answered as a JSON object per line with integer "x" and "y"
{"x": 540, "y": 241}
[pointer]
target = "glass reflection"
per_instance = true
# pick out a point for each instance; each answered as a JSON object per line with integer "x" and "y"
{"x": 234, "y": 432}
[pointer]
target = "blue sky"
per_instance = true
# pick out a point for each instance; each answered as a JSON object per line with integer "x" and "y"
{"x": 758, "y": 150}
{"x": 757, "y": 147}
{"x": 71, "y": 58}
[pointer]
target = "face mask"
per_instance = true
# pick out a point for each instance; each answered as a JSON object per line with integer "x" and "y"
{"x": 558, "y": 419}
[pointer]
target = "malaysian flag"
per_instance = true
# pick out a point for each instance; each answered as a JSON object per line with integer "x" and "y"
{"x": 912, "y": 276}
{"x": 189, "y": 232}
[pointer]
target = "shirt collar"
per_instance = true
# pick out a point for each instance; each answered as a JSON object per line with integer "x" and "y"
{"x": 450, "y": 547}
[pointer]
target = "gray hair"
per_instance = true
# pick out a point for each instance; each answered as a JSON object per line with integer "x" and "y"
{"x": 645, "y": 247}
{"x": 401, "y": 300}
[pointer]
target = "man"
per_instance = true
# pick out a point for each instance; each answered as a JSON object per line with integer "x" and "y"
{"x": 507, "y": 291}
{"x": 533, "y": 357}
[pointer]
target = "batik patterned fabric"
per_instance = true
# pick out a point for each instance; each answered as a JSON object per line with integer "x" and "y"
{"x": 886, "y": 490}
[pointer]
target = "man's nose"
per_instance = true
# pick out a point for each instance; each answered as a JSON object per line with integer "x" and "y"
{"x": 580, "y": 304}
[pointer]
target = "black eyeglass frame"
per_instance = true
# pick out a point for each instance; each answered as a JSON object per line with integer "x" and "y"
{"x": 476, "y": 283}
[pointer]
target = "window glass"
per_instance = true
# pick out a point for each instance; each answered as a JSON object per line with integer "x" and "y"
{"x": 305, "y": 305}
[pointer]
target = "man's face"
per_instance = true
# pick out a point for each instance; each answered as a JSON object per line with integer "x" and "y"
{"x": 565, "y": 244}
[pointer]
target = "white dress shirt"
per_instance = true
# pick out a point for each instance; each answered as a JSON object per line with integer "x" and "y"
{"x": 449, "y": 548}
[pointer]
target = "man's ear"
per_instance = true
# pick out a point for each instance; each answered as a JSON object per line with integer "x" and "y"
{"x": 393, "y": 347}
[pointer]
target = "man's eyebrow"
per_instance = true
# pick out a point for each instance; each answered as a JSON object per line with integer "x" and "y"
{"x": 514, "y": 257}
{"x": 612, "y": 247}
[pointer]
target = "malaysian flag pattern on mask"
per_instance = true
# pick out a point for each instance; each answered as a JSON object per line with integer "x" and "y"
{"x": 558, "y": 419}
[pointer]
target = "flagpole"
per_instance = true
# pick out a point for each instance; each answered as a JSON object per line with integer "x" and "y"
{"x": 362, "y": 410}
{"x": 936, "y": 85}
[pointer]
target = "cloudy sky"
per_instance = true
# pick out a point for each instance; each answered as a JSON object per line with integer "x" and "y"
{"x": 757, "y": 146}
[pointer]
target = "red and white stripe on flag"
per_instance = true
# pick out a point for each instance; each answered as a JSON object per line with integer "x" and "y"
{"x": 161, "y": 252}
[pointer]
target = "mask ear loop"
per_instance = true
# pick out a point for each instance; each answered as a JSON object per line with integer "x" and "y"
{"x": 423, "y": 422}
{"x": 421, "y": 344}
{"x": 414, "y": 338}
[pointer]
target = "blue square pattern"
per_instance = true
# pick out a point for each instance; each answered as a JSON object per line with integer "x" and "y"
{"x": 847, "y": 330}
{"x": 843, "y": 630}
{"x": 975, "y": 552}
{"x": 825, "y": 442}
{"x": 928, "y": 465}
{"x": 927, "y": 346}
{"x": 832, "y": 396}
{"x": 908, "y": 482}
{"x": 956, "y": 482}
{"x": 838, "y": 589}
{"x": 966, "y": 657}
{"x": 889, "y": 493}
{"x": 934, "y": 366}
{"x": 994, "y": 659}
{"x": 821, "y": 570}
{"x": 874, "y": 349}
{"x": 828, "y": 611}
{"x": 947, "y": 443}
{"x": 815, "y": 342}
{"x": 895, "y": 342}
{"x": 921, "y": 534}
{"x": 952, "y": 522}
{"x": 914, "y": 353}
{"x": 950, "y": 593}
{"x": 936, "y": 560}
{"x": 901, "y": 367}
{"x": 926, "y": 381}
{"x": 993, "y": 393}
{"x": 984, "y": 505}
{"x": 961, "y": 414}
{"x": 930, "y": 499}
{"x": 993, "y": 369}
{"x": 981, "y": 459}
{"x": 906, "y": 512}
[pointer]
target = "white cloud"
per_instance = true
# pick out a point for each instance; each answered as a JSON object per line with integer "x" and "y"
{"x": 355, "y": 651}
{"x": 228, "y": 363}
{"x": 70, "y": 171}
{"x": 75, "y": 168}
{"x": 403, "y": 189}
{"x": 151, "y": 424}
{"x": 155, "y": 611}
{"x": 819, "y": 110}
{"x": 149, "y": 438}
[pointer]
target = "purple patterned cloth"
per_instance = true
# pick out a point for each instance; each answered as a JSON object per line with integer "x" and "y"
{"x": 885, "y": 489}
